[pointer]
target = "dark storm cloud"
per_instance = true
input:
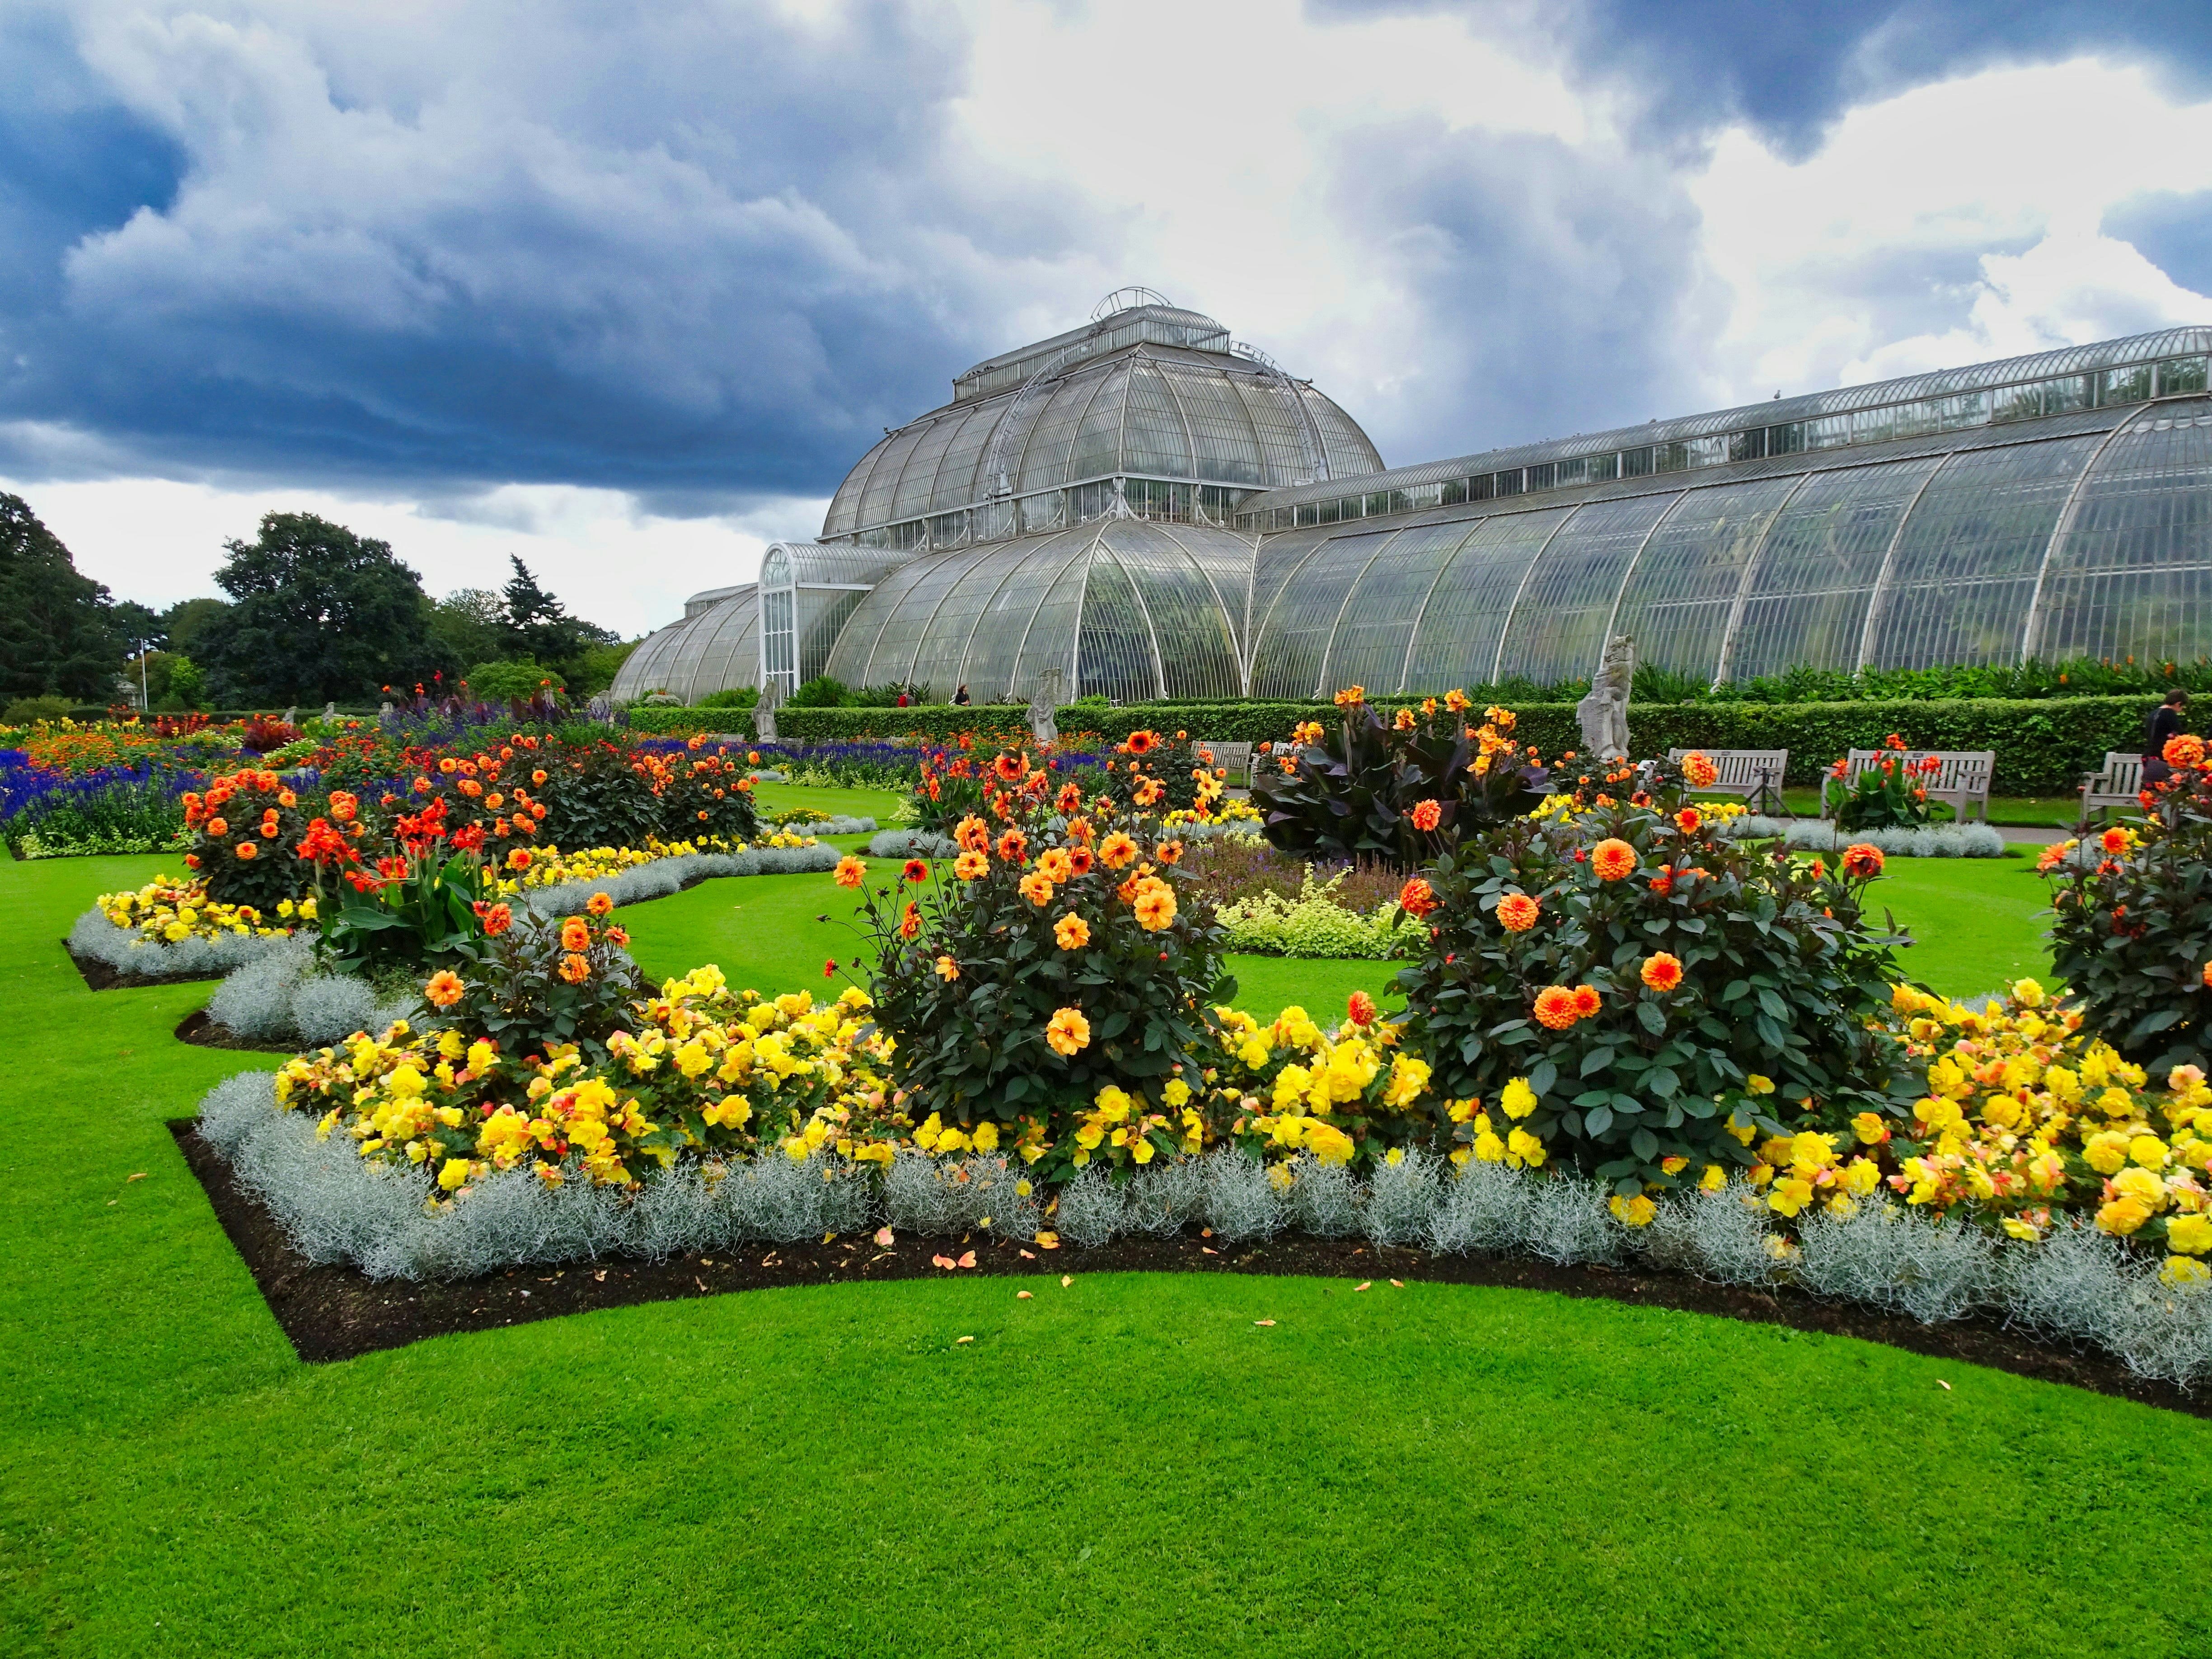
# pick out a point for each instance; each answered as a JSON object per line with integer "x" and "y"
{"x": 1788, "y": 71}
{"x": 685, "y": 252}
{"x": 1561, "y": 292}
{"x": 2170, "y": 228}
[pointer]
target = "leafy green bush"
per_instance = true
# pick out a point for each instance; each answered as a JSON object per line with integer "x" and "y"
{"x": 823, "y": 691}
{"x": 27, "y": 711}
{"x": 1401, "y": 790}
{"x": 418, "y": 911}
{"x": 2132, "y": 933}
{"x": 1887, "y": 795}
{"x": 737, "y": 696}
{"x": 1624, "y": 987}
{"x": 705, "y": 795}
{"x": 520, "y": 679}
{"x": 1317, "y": 924}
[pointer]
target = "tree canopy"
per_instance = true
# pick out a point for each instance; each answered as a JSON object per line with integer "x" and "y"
{"x": 319, "y": 614}
{"x": 56, "y": 630}
{"x": 538, "y": 627}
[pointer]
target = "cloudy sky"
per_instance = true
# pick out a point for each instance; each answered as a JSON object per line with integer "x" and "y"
{"x": 625, "y": 287}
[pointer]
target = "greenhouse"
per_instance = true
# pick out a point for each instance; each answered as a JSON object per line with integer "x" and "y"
{"x": 1158, "y": 512}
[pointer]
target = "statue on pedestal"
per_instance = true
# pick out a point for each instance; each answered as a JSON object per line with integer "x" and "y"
{"x": 1603, "y": 714}
{"x": 765, "y": 711}
{"x": 1046, "y": 700}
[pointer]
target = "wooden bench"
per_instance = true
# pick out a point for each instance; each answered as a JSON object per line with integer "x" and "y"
{"x": 1960, "y": 780}
{"x": 1234, "y": 758}
{"x": 2117, "y": 785}
{"x": 1754, "y": 774}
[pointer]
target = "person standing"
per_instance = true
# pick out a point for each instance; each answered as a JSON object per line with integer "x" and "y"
{"x": 2164, "y": 723}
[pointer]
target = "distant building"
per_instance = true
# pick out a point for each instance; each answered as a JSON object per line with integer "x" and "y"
{"x": 1158, "y": 510}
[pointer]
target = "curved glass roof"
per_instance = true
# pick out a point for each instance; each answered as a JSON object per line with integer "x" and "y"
{"x": 1150, "y": 391}
{"x": 716, "y": 650}
{"x": 2088, "y": 534}
{"x": 1124, "y": 608}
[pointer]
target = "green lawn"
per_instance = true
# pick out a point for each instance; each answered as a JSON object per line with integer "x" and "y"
{"x": 1130, "y": 1465}
{"x": 1977, "y": 923}
{"x": 2040, "y": 811}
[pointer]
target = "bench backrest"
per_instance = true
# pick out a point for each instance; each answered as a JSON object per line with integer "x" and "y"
{"x": 1740, "y": 768}
{"x": 1234, "y": 758}
{"x": 1956, "y": 770}
{"x": 2122, "y": 775}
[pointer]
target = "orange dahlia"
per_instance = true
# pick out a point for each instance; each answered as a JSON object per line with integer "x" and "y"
{"x": 1517, "y": 913}
{"x": 1661, "y": 972}
{"x": 1417, "y": 897}
{"x": 1555, "y": 1007}
{"x": 445, "y": 989}
{"x": 1613, "y": 858}
{"x": 1862, "y": 860}
{"x": 1426, "y": 816}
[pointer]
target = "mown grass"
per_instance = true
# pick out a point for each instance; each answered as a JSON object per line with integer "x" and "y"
{"x": 1128, "y": 1465}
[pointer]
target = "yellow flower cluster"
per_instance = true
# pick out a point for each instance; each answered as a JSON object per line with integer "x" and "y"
{"x": 1294, "y": 1087}
{"x": 552, "y": 867}
{"x": 167, "y": 910}
{"x": 1214, "y": 808}
{"x": 706, "y": 1070}
{"x": 1119, "y": 1128}
{"x": 1477, "y": 1137}
{"x": 2027, "y": 1114}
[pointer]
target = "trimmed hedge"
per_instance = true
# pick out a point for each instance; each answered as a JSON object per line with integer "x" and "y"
{"x": 2043, "y": 745}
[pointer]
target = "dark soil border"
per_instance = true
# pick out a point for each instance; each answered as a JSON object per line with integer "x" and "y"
{"x": 98, "y": 977}
{"x": 336, "y": 1313}
{"x": 196, "y": 1028}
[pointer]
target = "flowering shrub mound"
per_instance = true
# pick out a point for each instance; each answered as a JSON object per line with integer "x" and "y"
{"x": 1149, "y": 772}
{"x": 1889, "y": 795}
{"x": 1618, "y": 985}
{"x": 2133, "y": 934}
{"x": 532, "y": 983}
{"x": 701, "y": 1070}
{"x": 2029, "y": 1116}
{"x": 952, "y": 785}
{"x": 1401, "y": 790}
{"x": 248, "y": 825}
{"x": 1045, "y": 965}
{"x": 1290, "y": 1088}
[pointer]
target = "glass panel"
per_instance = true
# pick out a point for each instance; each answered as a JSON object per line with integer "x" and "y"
{"x": 822, "y": 614}
{"x": 1197, "y": 647}
{"x": 1152, "y": 440}
{"x": 1636, "y": 463}
{"x": 1678, "y": 600}
{"x": 1456, "y": 642}
{"x": 1350, "y": 455}
{"x": 1096, "y": 452}
{"x": 1966, "y": 564}
{"x": 909, "y": 629}
{"x": 2017, "y": 403}
{"x": 722, "y": 651}
{"x": 1114, "y": 653}
{"x": 1221, "y": 432}
{"x": 1707, "y": 451}
{"x": 1292, "y": 643}
{"x": 883, "y": 482}
{"x": 1557, "y": 630}
{"x": 856, "y": 642}
{"x": 1268, "y": 402}
{"x": 918, "y": 480}
{"x": 1048, "y": 640}
{"x": 2125, "y": 385}
{"x": 2064, "y": 397}
{"x": 1377, "y": 621}
{"x": 646, "y": 669}
{"x": 955, "y": 484}
{"x": 1043, "y": 459}
{"x": 2181, "y": 374}
{"x": 1538, "y": 477}
{"x": 2133, "y": 576}
{"x": 1226, "y": 562}
{"x": 1818, "y": 568}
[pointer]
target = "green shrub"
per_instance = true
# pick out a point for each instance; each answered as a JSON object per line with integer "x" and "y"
{"x": 1887, "y": 795}
{"x": 26, "y": 711}
{"x": 2132, "y": 933}
{"x": 1316, "y": 924}
{"x": 248, "y": 827}
{"x": 737, "y": 696}
{"x": 677, "y": 721}
{"x": 823, "y": 691}
{"x": 1671, "y": 994}
{"x": 508, "y": 682}
{"x": 1400, "y": 789}
{"x": 526, "y": 991}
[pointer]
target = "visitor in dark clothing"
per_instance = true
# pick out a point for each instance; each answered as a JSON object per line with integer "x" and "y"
{"x": 2164, "y": 723}
{"x": 960, "y": 697}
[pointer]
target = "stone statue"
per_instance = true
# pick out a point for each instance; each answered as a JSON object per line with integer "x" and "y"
{"x": 765, "y": 711}
{"x": 601, "y": 711}
{"x": 1603, "y": 714}
{"x": 330, "y": 711}
{"x": 383, "y": 713}
{"x": 1042, "y": 704}
{"x": 292, "y": 715}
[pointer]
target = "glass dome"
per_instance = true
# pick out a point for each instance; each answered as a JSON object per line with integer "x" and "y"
{"x": 1150, "y": 391}
{"x": 716, "y": 649}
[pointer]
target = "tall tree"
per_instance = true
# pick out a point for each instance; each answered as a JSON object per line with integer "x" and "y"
{"x": 185, "y": 620}
{"x": 539, "y": 627}
{"x": 470, "y": 624}
{"x": 55, "y": 633}
{"x": 319, "y": 614}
